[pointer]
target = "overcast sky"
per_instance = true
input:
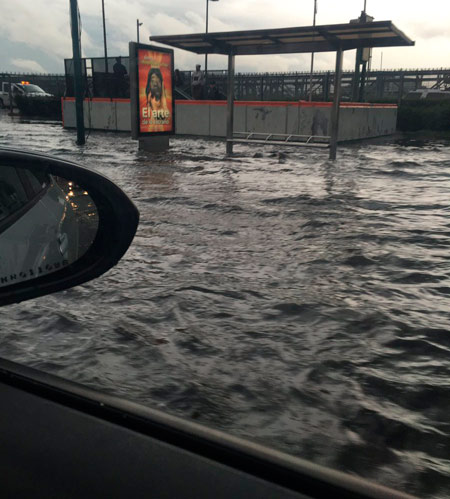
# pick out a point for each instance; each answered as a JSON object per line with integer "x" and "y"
{"x": 35, "y": 36}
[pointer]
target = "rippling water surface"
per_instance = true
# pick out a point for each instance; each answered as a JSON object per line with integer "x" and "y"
{"x": 275, "y": 295}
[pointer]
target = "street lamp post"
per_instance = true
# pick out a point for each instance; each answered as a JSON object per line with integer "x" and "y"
{"x": 77, "y": 75}
{"x": 312, "y": 56}
{"x": 206, "y": 55}
{"x": 137, "y": 27}
{"x": 104, "y": 36}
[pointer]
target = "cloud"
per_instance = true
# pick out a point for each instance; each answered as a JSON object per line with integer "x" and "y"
{"x": 28, "y": 65}
{"x": 426, "y": 32}
{"x": 29, "y": 24}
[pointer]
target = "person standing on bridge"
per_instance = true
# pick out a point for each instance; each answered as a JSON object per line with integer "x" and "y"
{"x": 179, "y": 79}
{"x": 120, "y": 72}
{"x": 197, "y": 83}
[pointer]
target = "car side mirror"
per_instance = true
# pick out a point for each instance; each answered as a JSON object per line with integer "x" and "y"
{"x": 60, "y": 225}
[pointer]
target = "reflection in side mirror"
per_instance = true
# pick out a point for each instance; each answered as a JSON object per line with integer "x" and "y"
{"x": 46, "y": 223}
{"x": 60, "y": 225}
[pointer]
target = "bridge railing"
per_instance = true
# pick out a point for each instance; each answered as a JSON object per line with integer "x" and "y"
{"x": 386, "y": 85}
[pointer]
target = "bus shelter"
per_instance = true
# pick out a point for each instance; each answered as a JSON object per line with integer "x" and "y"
{"x": 306, "y": 39}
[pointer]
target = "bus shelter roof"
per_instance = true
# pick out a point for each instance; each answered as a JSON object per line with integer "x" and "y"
{"x": 326, "y": 38}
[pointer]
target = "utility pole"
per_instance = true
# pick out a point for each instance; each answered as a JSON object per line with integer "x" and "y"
{"x": 78, "y": 84}
{"x": 206, "y": 31}
{"x": 312, "y": 56}
{"x": 104, "y": 36}
{"x": 137, "y": 27}
{"x": 11, "y": 105}
{"x": 364, "y": 18}
{"x": 206, "y": 55}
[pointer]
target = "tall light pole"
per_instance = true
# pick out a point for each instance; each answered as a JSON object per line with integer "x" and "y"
{"x": 137, "y": 27}
{"x": 206, "y": 55}
{"x": 104, "y": 36}
{"x": 77, "y": 76}
{"x": 312, "y": 55}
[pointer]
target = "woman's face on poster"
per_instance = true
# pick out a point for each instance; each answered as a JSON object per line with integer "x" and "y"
{"x": 155, "y": 86}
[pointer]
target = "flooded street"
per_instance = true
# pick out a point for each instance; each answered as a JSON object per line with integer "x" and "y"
{"x": 276, "y": 296}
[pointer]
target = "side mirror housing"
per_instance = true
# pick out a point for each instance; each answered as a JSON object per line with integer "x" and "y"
{"x": 60, "y": 225}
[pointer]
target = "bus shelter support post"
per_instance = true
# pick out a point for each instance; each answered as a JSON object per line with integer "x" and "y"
{"x": 230, "y": 103}
{"x": 336, "y": 104}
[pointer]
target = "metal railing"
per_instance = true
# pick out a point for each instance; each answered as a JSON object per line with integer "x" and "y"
{"x": 322, "y": 141}
{"x": 385, "y": 85}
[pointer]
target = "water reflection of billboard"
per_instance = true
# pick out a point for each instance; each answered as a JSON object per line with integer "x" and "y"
{"x": 155, "y": 91}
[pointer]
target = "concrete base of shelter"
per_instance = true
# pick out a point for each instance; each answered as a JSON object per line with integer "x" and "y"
{"x": 208, "y": 118}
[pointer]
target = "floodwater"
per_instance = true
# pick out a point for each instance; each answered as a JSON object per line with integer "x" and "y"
{"x": 276, "y": 295}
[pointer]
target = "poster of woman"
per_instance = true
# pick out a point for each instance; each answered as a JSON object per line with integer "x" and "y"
{"x": 155, "y": 91}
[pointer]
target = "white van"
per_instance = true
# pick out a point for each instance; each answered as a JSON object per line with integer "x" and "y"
{"x": 428, "y": 94}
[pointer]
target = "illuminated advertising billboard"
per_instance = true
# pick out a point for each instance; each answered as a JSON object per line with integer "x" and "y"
{"x": 154, "y": 102}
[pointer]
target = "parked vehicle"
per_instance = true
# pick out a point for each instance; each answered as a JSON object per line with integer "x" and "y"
{"x": 429, "y": 94}
{"x": 24, "y": 88}
{"x": 37, "y": 206}
{"x": 59, "y": 218}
